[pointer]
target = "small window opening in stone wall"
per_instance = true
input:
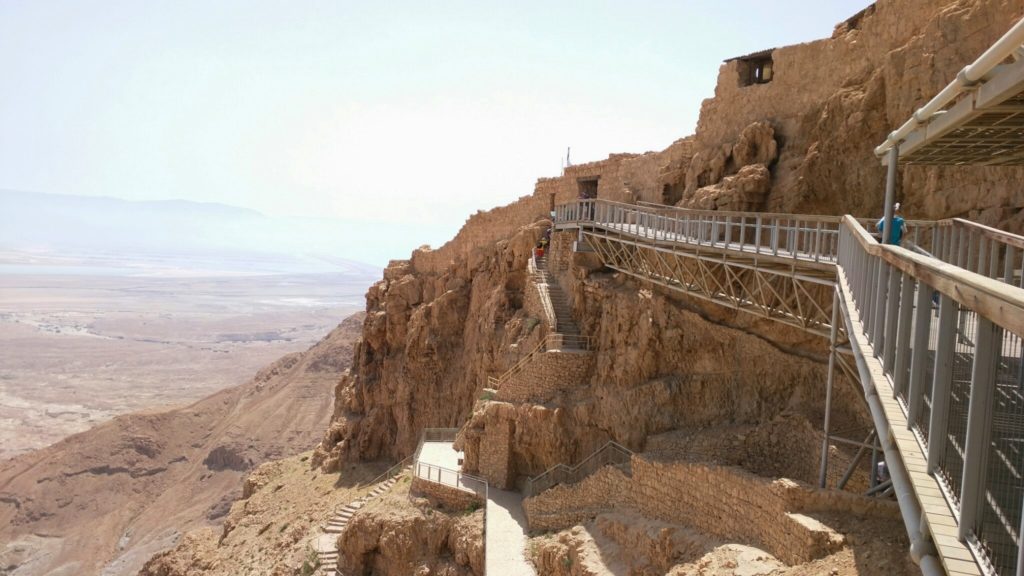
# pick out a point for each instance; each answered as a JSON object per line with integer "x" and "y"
{"x": 756, "y": 71}
{"x": 588, "y": 187}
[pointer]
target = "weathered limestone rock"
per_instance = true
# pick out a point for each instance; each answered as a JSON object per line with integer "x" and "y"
{"x": 743, "y": 192}
{"x": 397, "y": 541}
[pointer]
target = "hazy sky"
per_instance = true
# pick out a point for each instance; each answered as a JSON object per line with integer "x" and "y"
{"x": 413, "y": 114}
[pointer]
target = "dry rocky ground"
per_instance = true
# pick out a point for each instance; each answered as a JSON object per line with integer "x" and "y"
{"x": 105, "y": 500}
{"x": 76, "y": 350}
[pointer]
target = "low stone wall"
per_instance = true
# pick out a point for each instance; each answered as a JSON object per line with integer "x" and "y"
{"x": 444, "y": 496}
{"x": 722, "y": 501}
{"x": 547, "y": 374}
{"x": 733, "y": 504}
{"x": 571, "y": 504}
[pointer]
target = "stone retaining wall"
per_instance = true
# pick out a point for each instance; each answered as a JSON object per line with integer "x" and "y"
{"x": 444, "y": 496}
{"x": 726, "y": 502}
{"x": 547, "y": 374}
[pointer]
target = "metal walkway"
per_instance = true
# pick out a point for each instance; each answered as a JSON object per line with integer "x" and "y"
{"x": 932, "y": 332}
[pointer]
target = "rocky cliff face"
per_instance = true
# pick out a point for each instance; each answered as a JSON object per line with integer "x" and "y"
{"x": 108, "y": 498}
{"x": 440, "y": 323}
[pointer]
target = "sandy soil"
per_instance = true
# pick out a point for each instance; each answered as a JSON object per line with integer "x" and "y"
{"x": 76, "y": 350}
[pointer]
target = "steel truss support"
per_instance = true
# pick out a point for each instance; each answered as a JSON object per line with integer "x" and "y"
{"x": 800, "y": 298}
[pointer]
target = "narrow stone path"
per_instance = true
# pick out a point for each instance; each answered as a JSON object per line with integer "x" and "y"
{"x": 506, "y": 522}
{"x": 506, "y": 535}
{"x": 326, "y": 545}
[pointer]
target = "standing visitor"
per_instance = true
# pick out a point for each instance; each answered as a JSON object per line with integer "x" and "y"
{"x": 899, "y": 226}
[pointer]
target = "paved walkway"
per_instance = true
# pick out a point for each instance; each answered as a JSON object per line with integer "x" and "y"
{"x": 506, "y": 535}
{"x": 506, "y": 522}
{"x": 441, "y": 454}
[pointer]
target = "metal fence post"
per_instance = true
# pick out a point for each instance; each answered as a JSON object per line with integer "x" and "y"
{"x": 892, "y": 316}
{"x": 943, "y": 374}
{"x": 922, "y": 328}
{"x": 828, "y": 390}
{"x": 979, "y": 417}
{"x": 902, "y": 348}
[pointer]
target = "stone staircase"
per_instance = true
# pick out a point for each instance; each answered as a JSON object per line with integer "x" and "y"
{"x": 326, "y": 545}
{"x": 565, "y": 324}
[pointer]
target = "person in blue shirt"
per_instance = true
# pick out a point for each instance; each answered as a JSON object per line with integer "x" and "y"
{"x": 899, "y": 226}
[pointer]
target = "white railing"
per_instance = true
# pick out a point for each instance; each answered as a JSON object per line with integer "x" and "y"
{"x": 611, "y": 454}
{"x": 451, "y": 478}
{"x": 948, "y": 341}
{"x": 809, "y": 238}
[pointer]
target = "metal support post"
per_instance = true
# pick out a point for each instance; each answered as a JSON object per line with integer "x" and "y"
{"x": 1020, "y": 548}
{"x": 890, "y": 193}
{"x": 979, "y": 429}
{"x": 874, "y": 465}
{"x": 834, "y": 333}
{"x": 943, "y": 378}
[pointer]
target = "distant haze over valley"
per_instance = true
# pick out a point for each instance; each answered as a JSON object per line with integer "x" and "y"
{"x": 110, "y": 306}
{"x": 171, "y": 232}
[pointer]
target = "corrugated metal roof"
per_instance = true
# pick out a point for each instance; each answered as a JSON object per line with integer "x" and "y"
{"x": 754, "y": 55}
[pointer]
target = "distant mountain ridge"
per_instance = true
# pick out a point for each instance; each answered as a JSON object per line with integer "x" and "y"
{"x": 63, "y": 224}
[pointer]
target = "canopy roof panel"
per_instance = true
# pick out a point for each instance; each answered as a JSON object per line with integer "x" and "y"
{"x": 978, "y": 119}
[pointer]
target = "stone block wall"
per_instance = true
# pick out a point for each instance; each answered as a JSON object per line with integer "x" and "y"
{"x": 723, "y": 501}
{"x": 547, "y": 374}
{"x": 730, "y": 503}
{"x": 444, "y": 496}
{"x": 495, "y": 454}
{"x": 572, "y": 504}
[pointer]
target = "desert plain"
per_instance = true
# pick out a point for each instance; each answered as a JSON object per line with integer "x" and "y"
{"x": 81, "y": 344}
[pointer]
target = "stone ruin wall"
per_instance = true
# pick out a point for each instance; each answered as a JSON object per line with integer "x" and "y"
{"x": 829, "y": 104}
{"x": 723, "y": 501}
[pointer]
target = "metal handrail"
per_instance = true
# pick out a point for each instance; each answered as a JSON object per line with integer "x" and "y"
{"x": 562, "y": 474}
{"x": 545, "y": 297}
{"x": 926, "y": 362}
{"x": 1003, "y": 304}
{"x": 548, "y": 343}
{"x": 451, "y": 478}
{"x": 393, "y": 471}
{"x": 806, "y": 238}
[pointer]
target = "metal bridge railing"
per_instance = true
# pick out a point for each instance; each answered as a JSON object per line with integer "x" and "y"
{"x": 949, "y": 342}
{"x": 810, "y": 238}
{"x": 611, "y": 454}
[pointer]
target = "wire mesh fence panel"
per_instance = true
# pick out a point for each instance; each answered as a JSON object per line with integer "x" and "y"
{"x": 951, "y": 467}
{"x": 998, "y": 528}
